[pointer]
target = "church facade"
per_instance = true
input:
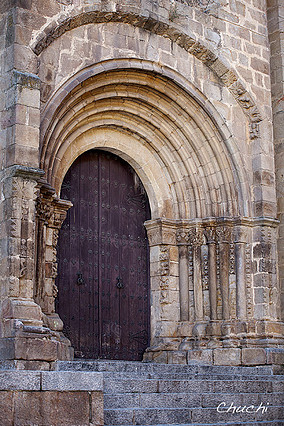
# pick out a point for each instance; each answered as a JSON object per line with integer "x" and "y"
{"x": 142, "y": 165}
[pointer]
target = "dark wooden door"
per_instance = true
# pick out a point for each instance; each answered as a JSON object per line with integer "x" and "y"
{"x": 103, "y": 259}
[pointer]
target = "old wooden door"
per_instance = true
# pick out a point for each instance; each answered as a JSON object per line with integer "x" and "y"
{"x": 103, "y": 272}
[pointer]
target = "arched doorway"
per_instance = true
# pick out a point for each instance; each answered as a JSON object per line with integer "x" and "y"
{"x": 103, "y": 259}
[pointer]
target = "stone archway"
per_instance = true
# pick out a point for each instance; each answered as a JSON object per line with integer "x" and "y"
{"x": 202, "y": 231}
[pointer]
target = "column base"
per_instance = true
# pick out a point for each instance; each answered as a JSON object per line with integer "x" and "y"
{"x": 35, "y": 348}
{"x": 234, "y": 342}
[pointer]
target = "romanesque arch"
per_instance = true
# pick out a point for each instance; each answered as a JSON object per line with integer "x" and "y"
{"x": 195, "y": 184}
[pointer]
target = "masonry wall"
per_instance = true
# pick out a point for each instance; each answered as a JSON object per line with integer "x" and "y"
{"x": 276, "y": 37}
{"x": 46, "y": 398}
{"x": 207, "y": 74}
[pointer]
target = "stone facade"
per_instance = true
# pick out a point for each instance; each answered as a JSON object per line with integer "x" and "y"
{"x": 190, "y": 94}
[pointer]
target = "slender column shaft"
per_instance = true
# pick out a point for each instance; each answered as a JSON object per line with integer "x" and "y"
{"x": 197, "y": 283}
{"x": 224, "y": 278}
{"x": 241, "y": 280}
{"x": 183, "y": 283}
{"x": 212, "y": 280}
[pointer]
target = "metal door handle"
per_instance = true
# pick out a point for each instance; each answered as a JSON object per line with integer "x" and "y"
{"x": 119, "y": 283}
{"x": 80, "y": 279}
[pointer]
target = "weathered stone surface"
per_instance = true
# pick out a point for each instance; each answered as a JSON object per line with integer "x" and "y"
{"x": 49, "y": 408}
{"x": 181, "y": 92}
{"x": 69, "y": 381}
{"x": 20, "y": 380}
{"x": 224, "y": 356}
{"x": 97, "y": 408}
{"x": 6, "y": 408}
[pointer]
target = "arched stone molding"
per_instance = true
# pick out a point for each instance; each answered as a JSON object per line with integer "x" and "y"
{"x": 85, "y": 15}
{"x": 200, "y": 169}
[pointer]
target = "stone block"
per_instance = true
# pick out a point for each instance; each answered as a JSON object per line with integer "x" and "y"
{"x": 20, "y": 380}
{"x": 29, "y": 97}
{"x": 253, "y": 356}
{"x": 204, "y": 356}
{"x": 72, "y": 381}
{"x": 51, "y": 408}
{"x": 42, "y": 349}
{"x": 194, "y": 386}
{"x": 131, "y": 385}
{"x": 6, "y": 408}
{"x": 275, "y": 356}
{"x": 124, "y": 416}
{"x": 162, "y": 416}
{"x": 227, "y": 356}
{"x": 119, "y": 401}
{"x": 177, "y": 357}
{"x": 7, "y": 348}
{"x": 180, "y": 400}
{"x": 97, "y": 401}
{"x": 32, "y": 365}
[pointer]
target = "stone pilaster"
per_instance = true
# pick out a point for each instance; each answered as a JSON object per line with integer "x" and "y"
{"x": 24, "y": 337}
{"x": 164, "y": 271}
{"x": 51, "y": 212}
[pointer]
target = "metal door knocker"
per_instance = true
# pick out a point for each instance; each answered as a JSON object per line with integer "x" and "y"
{"x": 119, "y": 283}
{"x": 80, "y": 279}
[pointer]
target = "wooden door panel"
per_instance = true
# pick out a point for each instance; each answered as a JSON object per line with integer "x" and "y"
{"x": 104, "y": 239}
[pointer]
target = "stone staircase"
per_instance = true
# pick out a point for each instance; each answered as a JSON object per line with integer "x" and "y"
{"x": 138, "y": 393}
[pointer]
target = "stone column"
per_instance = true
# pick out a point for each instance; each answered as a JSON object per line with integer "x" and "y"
{"x": 210, "y": 234}
{"x": 165, "y": 304}
{"x": 240, "y": 239}
{"x": 196, "y": 241}
{"x": 224, "y": 238}
{"x": 183, "y": 241}
{"x": 51, "y": 212}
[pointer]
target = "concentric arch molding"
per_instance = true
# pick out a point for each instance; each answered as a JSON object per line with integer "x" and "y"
{"x": 57, "y": 28}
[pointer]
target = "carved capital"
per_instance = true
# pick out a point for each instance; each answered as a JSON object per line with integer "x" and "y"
{"x": 59, "y": 212}
{"x": 44, "y": 209}
{"x": 224, "y": 234}
{"x": 195, "y": 237}
{"x": 240, "y": 234}
{"x": 182, "y": 236}
{"x": 161, "y": 231}
{"x": 211, "y": 234}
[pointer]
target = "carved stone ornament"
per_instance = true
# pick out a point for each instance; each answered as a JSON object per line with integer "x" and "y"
{"x": 195, "y": 237}
{"x": 224, "y": 234}
{"x": 182, "y": 236}
{"x": 44, "y": 209}
{"x": 211, "y": 234}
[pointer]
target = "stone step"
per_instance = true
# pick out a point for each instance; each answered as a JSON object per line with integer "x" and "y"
{"x": 196, "y": 416}
{"x": 189, "y": 400}
{"x": 138, "y": 393}
{"x": 155, "y": 368}
{"x": 115, "y": 385}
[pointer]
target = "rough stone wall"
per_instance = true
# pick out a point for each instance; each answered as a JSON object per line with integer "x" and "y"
{"x": 51, "y": 398}
{"x": 276, "y": 37}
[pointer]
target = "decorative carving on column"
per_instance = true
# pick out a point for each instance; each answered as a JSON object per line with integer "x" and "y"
{"x": 51, "y": 213}
{"x": 196, "y": 240}
{"x": 224, "y": 235}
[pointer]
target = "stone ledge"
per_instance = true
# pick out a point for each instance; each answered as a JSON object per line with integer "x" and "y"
{"x": 20, "y": 380}
{"x": 71, "y": 381}
{"x": 50, "y": 381}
